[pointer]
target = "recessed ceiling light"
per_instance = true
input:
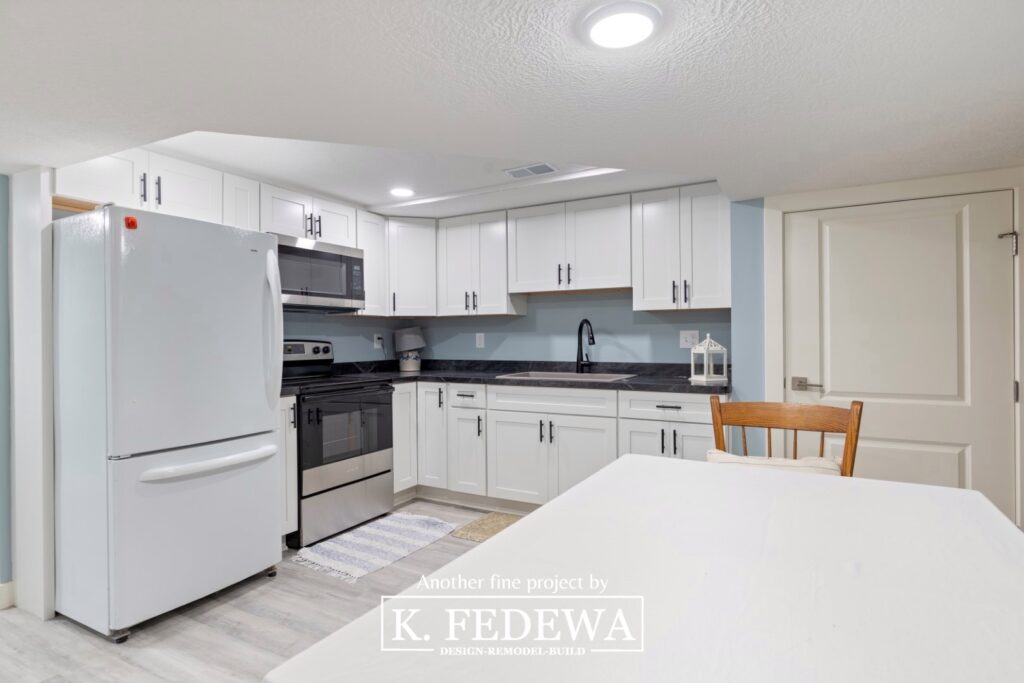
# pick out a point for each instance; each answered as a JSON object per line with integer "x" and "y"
{"x": 621, "y": 24}
{"x": 401, "y": 192}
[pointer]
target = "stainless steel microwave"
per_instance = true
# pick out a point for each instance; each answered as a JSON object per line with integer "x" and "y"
{"x": 319, "y": 276}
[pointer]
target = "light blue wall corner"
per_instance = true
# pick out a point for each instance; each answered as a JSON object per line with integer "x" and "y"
{"x": 5, "y": 386}
{"x": 748, "y": 308}
{"x": 352, "y": 336}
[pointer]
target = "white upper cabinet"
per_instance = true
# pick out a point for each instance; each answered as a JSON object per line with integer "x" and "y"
{"x": 471, "y": 267}
{"x": 334, "y": 223}
{"x": 285, "y": 212}
{"x": 597, "y": 243}
{"x": 121, "y": 179}
{"x": 241, "y": 202}
{"x": 681, "y": 249}
{"x": 372, "y": 238}
{"x": 575, "y": 245}
{"x": 536, "y": 248}
{"x": 412, "y": 266}
{"x": 185, "y": 189}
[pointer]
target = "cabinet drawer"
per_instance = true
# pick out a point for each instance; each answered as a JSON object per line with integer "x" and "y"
{"x": 652, "y": 405}
{"x": 597, "y": 402}
{"x": 467, "y": 395}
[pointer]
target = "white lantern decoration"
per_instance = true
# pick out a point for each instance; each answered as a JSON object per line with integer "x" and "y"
{"x": 705, "y": 358}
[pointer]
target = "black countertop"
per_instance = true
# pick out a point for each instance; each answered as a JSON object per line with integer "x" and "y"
{"x": 668, "y": 377}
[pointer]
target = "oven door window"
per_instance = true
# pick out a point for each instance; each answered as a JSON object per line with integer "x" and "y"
{"x": 377, "y": 432}
{"x": 332, "y": 431}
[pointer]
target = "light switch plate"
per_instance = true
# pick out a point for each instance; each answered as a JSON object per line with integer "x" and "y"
{"x": 378, "y": 341}
{"x": 479, "y": 340}
{"x": 688, "y": 338}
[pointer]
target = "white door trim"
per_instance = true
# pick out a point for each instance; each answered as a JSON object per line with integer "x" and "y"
{"x": 775, "y": 209}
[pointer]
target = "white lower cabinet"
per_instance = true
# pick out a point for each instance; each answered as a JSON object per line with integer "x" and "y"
{"x": 404, "y": 436}
{"x": 580, "y": 446}
{"x": 467, "y": 451}
{"x": 431, "y": 410}
{"x": 671, "y": 439}
{"x": 517, "y": 456}
{"x": 288, "y": 444}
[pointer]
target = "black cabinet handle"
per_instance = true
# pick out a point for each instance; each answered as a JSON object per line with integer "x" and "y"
{"x": 479, "y": 425}
{"x": 541, "y": 422}
{"x": 394, "y": 302}
{"x": 551, "y": 431}
{"x": 467, "y": 301}
{"x": 663, "y": 440}
{"x": 675, "y": 445}
{"x": 568, "y": 274}
{"x": 474, "y": 301}
{"x": 309, "y": 416}
{"x": 319, "y": 231}
{"x": 159, "y": 191}
{"x": 463, "y": 395}
{"x": 668, "y": 407}
{"x": 440, "y": 397}
{"x": 144, "y": 194}
{"x": 295, "y": 416}
{"x": 686, "y": 291}
{"x": 319, "y": 416}
{"x": 673, "y": 291}
{"x": 559, "y": 273}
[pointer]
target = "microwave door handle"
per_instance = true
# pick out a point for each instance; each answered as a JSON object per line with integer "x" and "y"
{"x": 275, "y": 332}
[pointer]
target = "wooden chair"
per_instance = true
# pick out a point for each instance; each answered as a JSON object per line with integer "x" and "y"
{"x": 795, "y": 416}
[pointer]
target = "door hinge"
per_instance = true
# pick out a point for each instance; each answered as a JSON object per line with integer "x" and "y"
{"x": 1014, "y": 235}
{"x": 1016, "y": 391}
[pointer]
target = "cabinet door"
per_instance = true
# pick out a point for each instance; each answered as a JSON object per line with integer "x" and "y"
{"x": 241, "y": 202}
{"x": 412, "y": 273}
{"x": 467, "y": 451}
{"x": 536, "y": 249}
{"x": 711, "y": 235}
{"x": 597, "y": 243}
{"x": 645, "y": 437}
{"x": 580, "y": 446}
{"x": 334, "y": 223}
{"x": 517, "y": 456}
{"x": 121, "y": 178}
{"x": 431, "y": 409}
{"x": 288, "y": 444}
{"x": 492, "y": 294}
{"x": 691, "y": 441}
{"x": 404, "y": 436}
{"x": 657, "y": 272}
{"x": 285, "y": 212}
{"x": 458, "y": 265}
{"x": 185, "y": 189}
{"x": 372, "y": 238}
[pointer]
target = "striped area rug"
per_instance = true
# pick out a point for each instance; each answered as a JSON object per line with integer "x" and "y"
{"x": 373, "y": 545}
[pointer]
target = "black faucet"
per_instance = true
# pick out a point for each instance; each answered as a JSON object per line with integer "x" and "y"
{"x": 583, "y": 359}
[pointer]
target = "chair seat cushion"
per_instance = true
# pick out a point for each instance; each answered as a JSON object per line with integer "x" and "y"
{"x": 810, "y": 465}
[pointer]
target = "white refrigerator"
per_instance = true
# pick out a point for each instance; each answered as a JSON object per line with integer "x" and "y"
{"x": 167, "y": 374}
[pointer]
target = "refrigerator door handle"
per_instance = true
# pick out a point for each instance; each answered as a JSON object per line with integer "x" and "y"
{"x": 207, "y": 466}
{"x": 275, "y": 352}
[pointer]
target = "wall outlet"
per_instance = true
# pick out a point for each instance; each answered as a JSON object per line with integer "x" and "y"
{"x": 688, "y": 338}
{"x": 378, "y": 341}
{"x": 479, "y": 340}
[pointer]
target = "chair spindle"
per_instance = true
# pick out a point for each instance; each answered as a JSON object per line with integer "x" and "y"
{"x": 743, "y": 430}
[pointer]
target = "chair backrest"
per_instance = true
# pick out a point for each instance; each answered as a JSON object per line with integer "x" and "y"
{"x": 796, "y": 416}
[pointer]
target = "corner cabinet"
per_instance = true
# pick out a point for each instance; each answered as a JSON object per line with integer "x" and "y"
{"x": 288, "y": 445}
{"x": 404, "y": 436}
{"x": 574, "y": 245}
{"x": 412, "y": 266}
{"x": 681, "y": 249}
{"x": 471, "y": 267}
{"x": 372, "y": 238}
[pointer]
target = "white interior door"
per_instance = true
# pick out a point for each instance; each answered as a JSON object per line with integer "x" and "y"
{"x": 458, "y": 268}
{"x": 186, "y": 189}
{"x": 536, "y": 249}
{"x": 334, "y": 223}
{"x": 597, "y": 242}
{"x": 657, "y": 274}
{"x": 908, "y": 306}
{"x": 412, "y": 275}
{"x": 372, "y": 238}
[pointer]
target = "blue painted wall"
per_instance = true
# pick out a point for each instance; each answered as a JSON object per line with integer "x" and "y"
{"x": 5, "y": 388}
{"x": 748, "y": 308}
{"x": 352, "y": 336}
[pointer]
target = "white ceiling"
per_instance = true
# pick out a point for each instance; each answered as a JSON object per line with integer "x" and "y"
{"x": 445, "y": 185}
{"x": 765, "y": 95}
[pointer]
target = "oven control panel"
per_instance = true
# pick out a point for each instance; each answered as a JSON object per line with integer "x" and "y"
{"x": 304, "y": 350}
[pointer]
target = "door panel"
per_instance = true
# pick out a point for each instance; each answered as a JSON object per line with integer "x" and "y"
{"x": 115, "y": 179}
{"x": 458, "y": 265}
{"x": 536, "y": 249}
{"x": 711, "y": 239}
{"x": 241, "y": 202}
{"x": 412, "y": 249}
{"x": 656, "y": 250}
{"x": 284, "y": 212}
{"x": 580, "y": 446}
{"x": 908, "y": 306}
{"x": 517, "y": 456}
{"x": 467, "y": 451}
{"x": 335, "y": 223}
{"x": 645, "y": 437}
{"x": 432, "y": 434}
{"x": 185, "y": 189}
{"x": 493, "y": 265}
{"x": 372, "y": 238}
{"x": 597, "y": 242}
{"x": 405, "y": 453}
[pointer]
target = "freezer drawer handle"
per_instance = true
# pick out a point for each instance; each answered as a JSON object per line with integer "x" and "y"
{"x": 208, "y": 466}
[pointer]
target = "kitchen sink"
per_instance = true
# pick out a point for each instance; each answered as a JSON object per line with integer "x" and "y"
{"x": 568, "y": 376}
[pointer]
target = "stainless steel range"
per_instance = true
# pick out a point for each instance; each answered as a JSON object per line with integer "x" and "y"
{"x": 345, "y": 446}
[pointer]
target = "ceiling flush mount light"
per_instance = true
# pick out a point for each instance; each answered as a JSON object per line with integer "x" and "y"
{"x": 621, "y": 24}
{"x": 401, "y": 192}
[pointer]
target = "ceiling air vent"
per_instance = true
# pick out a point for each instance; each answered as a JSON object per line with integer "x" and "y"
{"x": 530, "y": 171}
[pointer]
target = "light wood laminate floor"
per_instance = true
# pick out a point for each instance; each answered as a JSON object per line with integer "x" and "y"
{"x": 238, "y": 634}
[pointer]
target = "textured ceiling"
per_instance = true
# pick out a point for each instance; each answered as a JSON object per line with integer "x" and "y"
{"x": 767, "y": 96}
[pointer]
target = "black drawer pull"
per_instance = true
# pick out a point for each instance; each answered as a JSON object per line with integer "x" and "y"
{"x": 664, "y": 407}
{"x": 462, "y": 395}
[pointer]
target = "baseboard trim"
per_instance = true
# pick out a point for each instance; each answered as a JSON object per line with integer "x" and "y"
{"x": 6, "y": 595}
{"x": 470, "y": 500}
